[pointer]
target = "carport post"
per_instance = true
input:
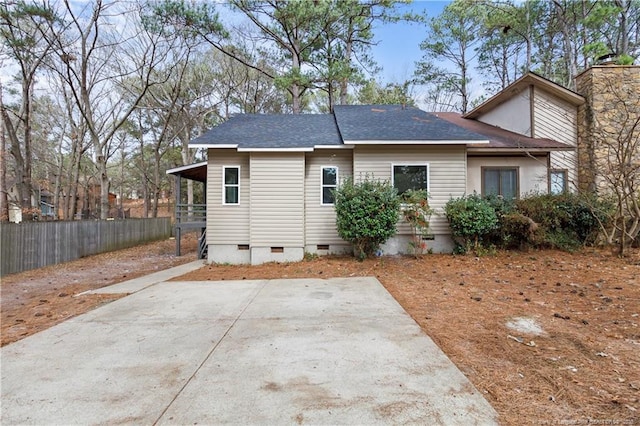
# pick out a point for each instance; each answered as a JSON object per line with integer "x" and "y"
{"x": 177, "y": 218}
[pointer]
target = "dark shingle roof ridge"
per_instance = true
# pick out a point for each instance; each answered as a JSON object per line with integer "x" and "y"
{"x": 397, "y": 122}
{"x": 277, "y": 131}
{"x": 277, "y": 114}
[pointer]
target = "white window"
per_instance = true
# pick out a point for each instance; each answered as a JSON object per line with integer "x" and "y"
{"x": 557, "y": 181}
{"x": 410, "y": 176}
{"x": 502, "y": 181}
{"x": 231, "y": 185}
{"x": 329, "y": 183}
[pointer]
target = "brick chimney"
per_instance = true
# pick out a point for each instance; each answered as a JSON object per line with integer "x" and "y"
{"x": 612, "y": 95}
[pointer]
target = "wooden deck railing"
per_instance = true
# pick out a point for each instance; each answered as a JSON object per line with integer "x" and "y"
{"x": 191, "y": 213}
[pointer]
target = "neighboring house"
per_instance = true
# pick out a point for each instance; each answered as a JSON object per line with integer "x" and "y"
{"x": 41, "y": 200}
{"x": 269, "y": 177}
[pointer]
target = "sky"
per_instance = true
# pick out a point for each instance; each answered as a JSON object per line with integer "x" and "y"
{"x": 398, "y": 45}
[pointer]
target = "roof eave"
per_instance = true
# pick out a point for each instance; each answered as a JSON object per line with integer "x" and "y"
{"x": 298, "y": 149}
{"x": 213, "y": 146}
{"x": 505, "y": 150}
{"x": 187, "y": 167}
{"x": 341, "y": 146}
{"x": 415, "y": 142}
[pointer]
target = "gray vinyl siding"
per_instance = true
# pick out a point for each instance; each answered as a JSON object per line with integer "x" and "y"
{"x": 227, "y": 224}
{"x": 554, "y": 118}
{"x": 320, "y": 226}
{"x": 277, "y": 199}
{"x": 447, "y": 173}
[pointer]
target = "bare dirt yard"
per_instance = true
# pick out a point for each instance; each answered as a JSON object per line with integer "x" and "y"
{"x": 548, "y": 337}
{"x": 33, "y": 301}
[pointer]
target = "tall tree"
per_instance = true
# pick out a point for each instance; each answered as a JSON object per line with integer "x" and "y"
{"x": 177, "y": 110}
{"x": 344, "y": 51}
{"x": 374, "y": 92}
{"x": 295, "y": 28}
{"x": 306, "y": 45}
{"x": 451, "y": 38}
{"x": 4, "y": 201}
{"x": 506, "y": 48}
{"x": 24, "y": 29}
{"x": 108, "y": 72}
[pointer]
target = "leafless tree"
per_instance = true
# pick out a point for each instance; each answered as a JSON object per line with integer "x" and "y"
{"x": 24, "y": 28}
{"x": 106, "y": 60}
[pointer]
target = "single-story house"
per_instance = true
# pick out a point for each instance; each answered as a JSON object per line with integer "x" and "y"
{"x": 269, "y": 177}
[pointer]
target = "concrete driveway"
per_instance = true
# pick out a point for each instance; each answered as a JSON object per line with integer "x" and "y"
{"x": 310, "y": 351}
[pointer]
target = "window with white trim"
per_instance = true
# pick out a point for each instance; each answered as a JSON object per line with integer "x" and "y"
{"x": 410, "y": 176}
{"x": 231, "y": 185}
{"x": 557, "y": 181}
{"x": 502, "y": 181}
{"x": 329, "y": 183}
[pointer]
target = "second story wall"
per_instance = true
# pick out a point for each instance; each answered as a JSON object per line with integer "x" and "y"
{"x": 554, "y": 118}
{"x": 513, "y": 115}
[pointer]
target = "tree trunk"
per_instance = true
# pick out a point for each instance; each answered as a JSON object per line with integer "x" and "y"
{"x": 4, "y": 202}
{"x": 295, "y": 98}
{"x": 623, "y": 44}
{"x": 295, "y": 86}
{"x": 74, "y": 181}
{"x": 156, "y": 182}
{"x": 463, "y": 86}
{"x": 27, "y": 187}
{"x": 567, "y": 48}
{"x": 344, "y": 83}
{"x": 104, "y": 185}
{"x": 58, "y": 188}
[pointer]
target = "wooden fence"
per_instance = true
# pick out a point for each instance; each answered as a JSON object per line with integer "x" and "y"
{"x": 31, "y": 245}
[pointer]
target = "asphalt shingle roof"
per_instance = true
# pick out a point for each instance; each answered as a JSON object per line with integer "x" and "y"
{"x": 501, "y": 138}
{"x": 274, "y": 131}
{"x": 397, "y": 123}
{"x": 349, "y": 123}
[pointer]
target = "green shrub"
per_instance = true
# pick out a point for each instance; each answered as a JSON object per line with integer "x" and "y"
{"x": 366, "y": 214}
{"x": 503, "y": 208}
{"x": 563, "y": 221}
{"x": 471, "y": 219}
{"x": 568, "y": 220}
{"x": 518, "y": 231}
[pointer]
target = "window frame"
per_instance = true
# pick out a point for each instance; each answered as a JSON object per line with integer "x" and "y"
{"x": 226, "y": 185}
{"x": 322, "y": 184}
{"x": 499, "y": 168}
{"x": 428, "y": 167}
{"x": 565, "y": 182}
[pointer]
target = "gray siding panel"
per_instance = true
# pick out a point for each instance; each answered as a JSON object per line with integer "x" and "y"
{"x": 320, "y": 226}
{"x": 447, "y": 173}
{"x": 227, "y": 224}
{"x": 554, "y": 118}
{"x": 277, "y": 199}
